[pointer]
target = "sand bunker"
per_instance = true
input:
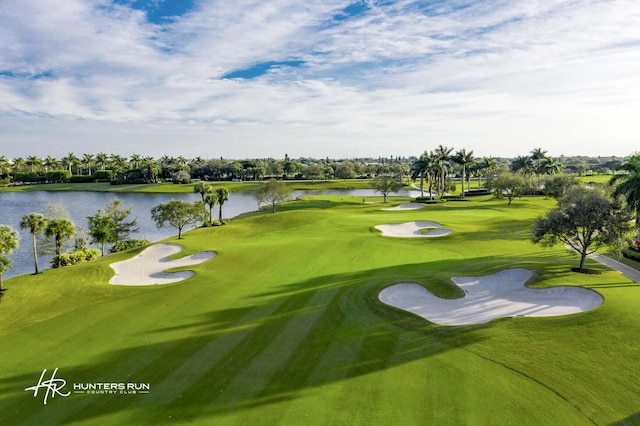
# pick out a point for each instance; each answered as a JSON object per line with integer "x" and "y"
{"x": 498, "y": 295}
{"x": 405, "y": 207}
{"x": 149, "y": 266}
{"x": 413, "y": 230}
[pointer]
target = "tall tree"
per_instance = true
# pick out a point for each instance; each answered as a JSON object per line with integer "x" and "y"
{"x": 202, "y": 188}
{"x": 102, "y": 160}
{"x": 627, "y": 185}
{"x": 8, "y": 243}
{"x": 34, "y": 162}
{"x": 585, "y": 220}
{"x": 35, "y": 223}
{"x": 443, "y": 157}
{"x": 70, "y": 161}
{"x": 464, "y": 159}
{"x": 60, "y": 229}
{"x": 88, "y": 161}
{"x": 210, "y": 201}
{"x": 222, "y": 194}
{"x": 50, "y": 163}
{"x": 419, "y": 169}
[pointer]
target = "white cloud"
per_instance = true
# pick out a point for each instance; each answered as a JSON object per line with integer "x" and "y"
{"x": 496, "y": 77}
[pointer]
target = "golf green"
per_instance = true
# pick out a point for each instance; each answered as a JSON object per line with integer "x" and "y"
{"x": 284, "y": 326}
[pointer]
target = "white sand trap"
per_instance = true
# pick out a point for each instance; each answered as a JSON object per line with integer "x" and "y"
{"x": 498, "y": 295}
{"x": 149, "y": 266}
{"x": 413, "y": 229}
{"x": 405, "y": 207}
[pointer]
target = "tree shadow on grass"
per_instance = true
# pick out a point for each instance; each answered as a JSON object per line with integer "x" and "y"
{"x": 297, "y": 339}
{"x": 284, "y": 344}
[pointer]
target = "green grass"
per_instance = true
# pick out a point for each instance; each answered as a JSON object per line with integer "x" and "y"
{"x": 188, "y": 188}
{"x": 284, "y": 327}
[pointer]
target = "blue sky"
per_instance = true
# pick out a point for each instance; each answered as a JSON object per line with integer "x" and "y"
{"x": 325, "y": 78}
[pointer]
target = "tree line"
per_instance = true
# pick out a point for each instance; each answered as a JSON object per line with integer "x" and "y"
{"x": 136, "y": 168}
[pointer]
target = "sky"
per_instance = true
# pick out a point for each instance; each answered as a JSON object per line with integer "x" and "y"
{"x": 319, "y": 78}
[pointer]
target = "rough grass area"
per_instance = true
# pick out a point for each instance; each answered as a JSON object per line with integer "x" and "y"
{"x": 285, "y": 327}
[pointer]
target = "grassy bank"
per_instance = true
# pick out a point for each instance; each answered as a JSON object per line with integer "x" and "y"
{"x": 188, "y": 188}
{"x": 284, "y": 327}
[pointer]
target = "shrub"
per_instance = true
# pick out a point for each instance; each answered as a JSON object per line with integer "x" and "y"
{"x": 480, "y": 191}
{"x": 28, "y": 177}
{"x": 128, "y": 244}
{"x": 631, "y": 254}
{"x": 81, "y": 179}
{"x": 427, "y": 200}
{"x": 91, "y": 254}
{"x": 56, "y": 176}
{"x": 103, "y": 175}
{"x": 73, "y": 258}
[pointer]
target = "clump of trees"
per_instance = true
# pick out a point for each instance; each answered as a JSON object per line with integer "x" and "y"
{"x": 111, "y": 224}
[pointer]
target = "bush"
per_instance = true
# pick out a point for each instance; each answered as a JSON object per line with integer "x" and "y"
{"x": 73, "y": 258}
{"x": 632, "y": 254}
{"x": 28, "y": 177}
{"x": 426, "y": 200}
{"x": 57, "y": 176}
{"x": 128, "y": 244}
{"x": 81, "y": 179}
{"x": 103, "y": 175}
{"x": 479, "y": 191}
{"x": 91, "y": 254}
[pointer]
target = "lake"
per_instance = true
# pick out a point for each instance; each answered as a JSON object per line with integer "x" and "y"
{"x": 14, "y": 205}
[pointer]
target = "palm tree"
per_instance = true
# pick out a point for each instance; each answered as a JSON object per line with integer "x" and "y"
{"x": 4, "y": 165}
{"x": 102, "y": 160}
{"x": 50, "y": 163}
{"x": 88, "y": 161}
{"x": 223, "y": 195}
{"x": 35, "y": 223}
{"x": 203, "y": 189}
{"x": 443, "y": 156}
{"x": 33, "y": 162}
{"x": 550, "y": 166}
{"x": 18, "y": 164}
{"x": 464, "y": 159}
{"x": 419, "y": 169}
{"x": 8, "y": 243}
{"x": 210, "y": 200}
{"x": 60, "y": 228}
{"x": 70, "y": 161}
{"x": 524, "y": 165}
{"x": 628, "y": 186}
{"x": 135, "y": 160}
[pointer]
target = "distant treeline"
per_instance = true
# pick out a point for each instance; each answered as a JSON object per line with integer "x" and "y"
{"x": 138, "y": 169}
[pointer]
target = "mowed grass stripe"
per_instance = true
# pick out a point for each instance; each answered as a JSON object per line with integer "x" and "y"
{"x": 265, "y": 365}
{"x": 206, "y": 359}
